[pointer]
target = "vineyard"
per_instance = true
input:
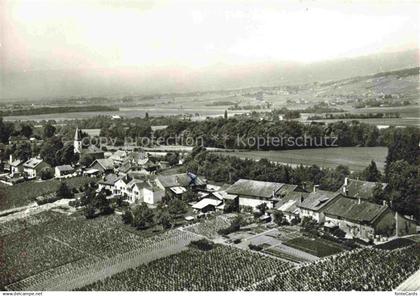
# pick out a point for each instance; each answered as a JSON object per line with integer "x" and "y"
{"x": 366, "y": 269}
{"x": 49, "y": 239}
{"x": 223, "y": 268}
{"x": 209, "y": 228}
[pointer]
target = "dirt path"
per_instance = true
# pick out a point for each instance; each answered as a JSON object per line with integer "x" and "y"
{"x": 84, "y": 274}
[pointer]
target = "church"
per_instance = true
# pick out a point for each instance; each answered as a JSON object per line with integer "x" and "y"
{"x": 84, "y": 150}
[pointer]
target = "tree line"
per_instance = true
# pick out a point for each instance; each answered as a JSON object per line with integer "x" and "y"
{"x": 227, "y": 133}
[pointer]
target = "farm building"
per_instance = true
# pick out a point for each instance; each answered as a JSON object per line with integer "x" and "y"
{"x": 362, "y": 219}
{"x": 206, "y": 205}
{"x": 104, "y": 166}
{"x": 253, "y": 193}
{"x": 288, "y": 205}
{"x": 314, "y": 203}
{"x": 187, "y": 180}
{"x": 33, "y": 167}
{"x": 359, "y": 189}
{"x": 63, "y": 170}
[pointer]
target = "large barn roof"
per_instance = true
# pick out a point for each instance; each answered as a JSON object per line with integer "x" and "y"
{"x": 255, "y": 188}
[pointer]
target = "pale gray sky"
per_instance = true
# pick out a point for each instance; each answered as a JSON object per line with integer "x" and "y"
{"x": 46, "y": 45}
{"x": 68, "y": 34}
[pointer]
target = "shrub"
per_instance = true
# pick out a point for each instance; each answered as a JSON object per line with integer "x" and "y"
{"x": 202, "y": 245}
{"x": 255, "y": 247}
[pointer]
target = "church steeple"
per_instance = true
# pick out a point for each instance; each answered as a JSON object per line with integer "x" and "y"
{"x": 78, "y": 141}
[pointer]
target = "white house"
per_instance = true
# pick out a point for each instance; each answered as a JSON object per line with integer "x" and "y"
{"x": 315, "y": 203}
{"x": 152, "y": 194}
{"x": 63, "y": 171}
{"x": 145, "y": 191}
{"x": 16, "y": 166}
{"x": 33, "y": 167}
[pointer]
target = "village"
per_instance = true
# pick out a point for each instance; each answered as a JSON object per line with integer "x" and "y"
{"x": 131, "y": 177}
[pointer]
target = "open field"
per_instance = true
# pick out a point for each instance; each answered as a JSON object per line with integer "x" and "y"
{"x": 220, "y": 269}
{"x": 356, "y": 158}
{"x": 24, "y": 193}
{"x": 317, "y": 247}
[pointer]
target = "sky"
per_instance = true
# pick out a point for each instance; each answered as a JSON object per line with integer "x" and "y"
{"x": 62, "y": 34}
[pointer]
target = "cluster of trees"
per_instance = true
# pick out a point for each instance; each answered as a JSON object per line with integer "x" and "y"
{"x": 94, "y": 203}
{"x": 235, "y": 225}
{"x": 231, "y": 132}
{"x": 356, "y": 116}
{"x": 52, "y": 148}
{"x": 165, "y": 215}
{"x": 8, "y": 129}
{"x": 230, "y": 169}
{"x": 402, "y": 172}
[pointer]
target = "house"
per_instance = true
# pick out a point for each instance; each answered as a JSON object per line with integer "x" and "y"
{"x": 104, "y": 166}
{"x": 206, "y": 205}
{"x": 108, "y": 182}
{"x": 362, "y": 219}
{"x": 357, "y": 188}
{"x": 63, "y": 171}
{"x": 16, "y": 166}
{"x": 118, "y": 157}
{"x": 152, "y": 194}
{"x": 146, "y": 191}
{"x": 314, "y": 203}
{"x": 121, "y": 185}
{"x": 254, "y": 193}
{"x": 135, "y": 188}
{"x": 33, "y": 167}
{"x": 288, "y": 205}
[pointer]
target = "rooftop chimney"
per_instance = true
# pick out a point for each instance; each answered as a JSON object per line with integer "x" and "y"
{"x": 346, "y": 181}
{"x": 359, "y": 201}
{"x": 315, "y": 188}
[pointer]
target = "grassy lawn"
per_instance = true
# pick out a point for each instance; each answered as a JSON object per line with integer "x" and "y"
{"x": 316, "y": 247}
{"x": 356, "y": 158}
{"x": 24, "y": 193}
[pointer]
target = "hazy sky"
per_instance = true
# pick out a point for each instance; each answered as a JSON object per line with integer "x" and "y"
{"x": 39, "y": 35}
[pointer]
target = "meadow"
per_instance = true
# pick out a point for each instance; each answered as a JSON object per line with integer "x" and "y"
{"x": 356, "y": 158}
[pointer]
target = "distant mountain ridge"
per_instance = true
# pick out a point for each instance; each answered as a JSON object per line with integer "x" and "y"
{"x": 129, "y": 81}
